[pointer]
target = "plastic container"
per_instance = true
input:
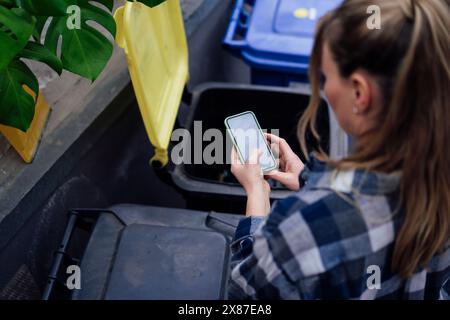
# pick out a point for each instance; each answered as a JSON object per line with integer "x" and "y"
{"x": 275, "y": 37}
{"x": 212, "y": 186}
{"x": 134, "y": 252}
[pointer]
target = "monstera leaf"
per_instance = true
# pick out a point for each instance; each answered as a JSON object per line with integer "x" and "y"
{"x": 17, "y": 105}
{"x": 84, "y": 50}
{"x": 72, "y": 41}
{"x": 16, "y": 27}
{"x": 44, "y": 7}
{"x": 8, "y": 3}
{"x": 37, "y": 52}
{"x": 17, "y": 81}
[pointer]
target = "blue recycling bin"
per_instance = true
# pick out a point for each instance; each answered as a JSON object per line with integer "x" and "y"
{"x": 275, "y": 37}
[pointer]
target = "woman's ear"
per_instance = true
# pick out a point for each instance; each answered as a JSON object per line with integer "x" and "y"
{"x": 361, "y": 92}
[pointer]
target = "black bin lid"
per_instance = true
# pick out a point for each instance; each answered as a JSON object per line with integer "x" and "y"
{"x": 145, "y": 252}
{"x": 158, "y": 262}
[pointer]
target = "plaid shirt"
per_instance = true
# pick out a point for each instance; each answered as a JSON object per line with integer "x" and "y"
{"x": 332, "y": 240}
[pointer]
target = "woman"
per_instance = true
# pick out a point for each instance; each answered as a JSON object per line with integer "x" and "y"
{"x": 377, "y": 223}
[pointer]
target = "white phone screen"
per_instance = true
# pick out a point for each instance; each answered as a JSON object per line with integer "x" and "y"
{"x": 247, "y": 135}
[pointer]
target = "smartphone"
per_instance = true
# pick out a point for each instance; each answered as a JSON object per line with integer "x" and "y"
{"x": 247, "y": 136}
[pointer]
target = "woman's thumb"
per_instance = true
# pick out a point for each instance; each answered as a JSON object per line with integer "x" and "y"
{"x": 278, "y": 175}
{"x": 254, "y": 156}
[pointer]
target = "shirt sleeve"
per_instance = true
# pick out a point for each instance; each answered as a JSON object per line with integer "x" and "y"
{"x": 304, "y": 175}
{"x": 255, "y": 274}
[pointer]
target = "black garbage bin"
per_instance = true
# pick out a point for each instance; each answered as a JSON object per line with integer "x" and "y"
{"x": 135, "y": 252}
{"x": 212, "y": 186}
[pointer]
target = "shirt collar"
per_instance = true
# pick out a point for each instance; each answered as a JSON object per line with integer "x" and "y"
{"x": 321, "y": 175}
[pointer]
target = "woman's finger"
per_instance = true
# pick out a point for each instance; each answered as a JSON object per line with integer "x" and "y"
{"x": 275, "y": 149}
{"x": 283, "y": 146}
{"x": 272, "y": 137}
{"x": 254, "y": 156}
{"x": 234, "y": 157}
{"x": 281, "y": 164}
{"x": 278, "y": 176}
{"x": 277, "y": 161}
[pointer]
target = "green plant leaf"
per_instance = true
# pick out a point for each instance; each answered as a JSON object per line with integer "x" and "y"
{"x": 150, "y": 3}
{"x": 107, "y": 3}
{"x": 38, "y": 52}
{"x": 8, "y": 3}
{"x": 44, "y": 7}
{"x": 16, "y": 27}
{"x": 16, "y": 105}
{"x": 84, "y": 51}
{"x": 39, "y": 26}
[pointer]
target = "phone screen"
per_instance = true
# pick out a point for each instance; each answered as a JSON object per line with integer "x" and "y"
{"x": 248, "y": 137}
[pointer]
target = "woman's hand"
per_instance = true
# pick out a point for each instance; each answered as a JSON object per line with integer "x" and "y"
{"x": 251, "y": 178}
{"x": 290, "y": 164}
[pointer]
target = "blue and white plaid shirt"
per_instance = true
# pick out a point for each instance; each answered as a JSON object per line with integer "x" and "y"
{"x": 332, "y": 240}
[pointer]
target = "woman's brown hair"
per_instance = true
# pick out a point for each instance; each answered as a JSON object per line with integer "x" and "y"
{"x": 410, "y": 60}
